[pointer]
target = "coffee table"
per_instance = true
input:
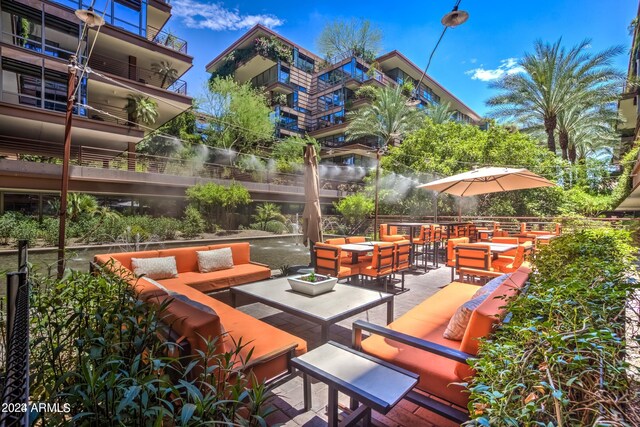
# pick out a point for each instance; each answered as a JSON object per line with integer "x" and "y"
{"x": 372, "y": 382}
{"x": 325, "y": 310}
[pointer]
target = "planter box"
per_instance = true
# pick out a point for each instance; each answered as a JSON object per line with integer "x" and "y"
{"x": 312, "y": 288}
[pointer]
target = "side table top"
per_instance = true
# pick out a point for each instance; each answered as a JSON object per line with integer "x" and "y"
{"x": 373, "y": 382}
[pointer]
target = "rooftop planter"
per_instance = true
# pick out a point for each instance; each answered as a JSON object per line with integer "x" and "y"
{"x": 267, "y": 47}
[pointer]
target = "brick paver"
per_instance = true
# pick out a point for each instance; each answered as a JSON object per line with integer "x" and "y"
{"x": 288, "y": 399}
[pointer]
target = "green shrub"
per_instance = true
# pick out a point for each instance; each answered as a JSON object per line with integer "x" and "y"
{"x": 25, "y": 228}
{"x": 192, "y": 224}
{"x": 96, "y": 347}
{"x": 7, "y": 222}
{"x": 165, "y": 228}
{"x": 49, "y": 231}
{"x": 269, "y": 218}
{"x": 560, "y": 360}
{"x": 355, "y": 209}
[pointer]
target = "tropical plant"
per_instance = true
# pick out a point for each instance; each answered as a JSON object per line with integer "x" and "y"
{"x": 273, "y": 48}
{"x": 97, "y": 350}
{"x": 552, "y": 80}
{"x": 388, "y": 118}
{"x": 165, "y": 71}
{"x": 266, "y": 215}
{"x": 340, "y": 39}
{"x": 440, "y": 112}
{"x": 240, "y": 116}
{"x": 141, "y": 109}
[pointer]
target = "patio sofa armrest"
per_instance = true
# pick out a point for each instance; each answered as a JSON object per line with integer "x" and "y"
{"x": 431, "y": 347}
{"x": 259, "y": 263}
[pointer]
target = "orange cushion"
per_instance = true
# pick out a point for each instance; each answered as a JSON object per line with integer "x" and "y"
{"x": 356, "y": 239}
{"x": 238, "y": 275}
{"x": 186, "y": 258}
{"x": 428, "y": 321}
{"x": 241, "y": 251}
{"x": 336, "y": 241}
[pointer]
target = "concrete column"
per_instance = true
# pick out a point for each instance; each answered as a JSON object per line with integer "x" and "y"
{"x": 80, "y": 156}
{"x": 131, "y": 156}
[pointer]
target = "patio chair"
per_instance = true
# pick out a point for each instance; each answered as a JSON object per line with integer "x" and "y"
{"x": 382, "y": 263}
{"x": 420, "y": 245}
{"x": 451, "y": 253}
{"x": 474, "y": 261}
{"x": 344, "y": 257}
{"x": 328, "y": 259}
{"x": 402, "y": 262}
{"x": 434, "y": 239}
{"x": 472, "y": 232}
{"x": 392, "y": 235}
{"x": 510, "y": 264}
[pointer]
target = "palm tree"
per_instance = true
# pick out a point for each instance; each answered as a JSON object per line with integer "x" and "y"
{"x": 588, "y": 131}
{"x": 551, "y": 80}
{"x": 165, "y": 71}
{"x": 440, "y": 113}
{"x": 388, "y": 118}
{"x": 266, "y": 213}
{"x": 141, "y": 109}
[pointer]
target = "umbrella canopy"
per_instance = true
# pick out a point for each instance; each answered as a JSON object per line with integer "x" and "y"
{"x": 311, "y": 216}
{"x": 488, "y": 180}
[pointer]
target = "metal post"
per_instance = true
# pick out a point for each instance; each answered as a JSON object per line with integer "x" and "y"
{"x": 23, "y": 254}
{"x": 375, "y": 217}
{"x": 71, "y": 87}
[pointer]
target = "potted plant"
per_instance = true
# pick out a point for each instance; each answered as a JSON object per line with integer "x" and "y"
{"x": 165, "y": 71}
{"x": 141, "y": 109}
{"x": 312, "y": 283}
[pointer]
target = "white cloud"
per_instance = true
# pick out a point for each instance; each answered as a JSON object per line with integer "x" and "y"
{"x": 507, "y": 66}
{"x": 214, "y": 16}
{"x": 473, "y": 60}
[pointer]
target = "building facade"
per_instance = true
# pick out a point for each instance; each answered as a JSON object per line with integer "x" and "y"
{"x": 312, "y": 97}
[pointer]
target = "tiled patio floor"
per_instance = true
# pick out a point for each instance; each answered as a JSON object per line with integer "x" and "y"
{"x": 289, "y": 399}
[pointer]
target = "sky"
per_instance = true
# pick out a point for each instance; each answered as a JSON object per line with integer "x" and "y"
{"x": 469, "y": 57}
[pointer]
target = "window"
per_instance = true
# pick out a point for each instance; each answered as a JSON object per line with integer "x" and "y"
{"x": 330, "y": 119}
{"x": 28, "y": 84}
{"x": 331, "y": 100}
{"x": 288, "y": 121}
{"x": 21, "y": 26}
{"x": 61, "y": 37}
{"x": 284, "y": 74}
{"x": 303, "y": 62}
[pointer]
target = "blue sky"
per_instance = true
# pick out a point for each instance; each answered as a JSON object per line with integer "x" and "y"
{"x": 488, "y": 45}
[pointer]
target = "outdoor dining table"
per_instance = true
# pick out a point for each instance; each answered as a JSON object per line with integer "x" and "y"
{"x": 356, "y": 249}
{"x": 450, "y": 226}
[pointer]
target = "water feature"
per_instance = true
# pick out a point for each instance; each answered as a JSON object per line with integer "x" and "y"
{"x": 274, "y": 251}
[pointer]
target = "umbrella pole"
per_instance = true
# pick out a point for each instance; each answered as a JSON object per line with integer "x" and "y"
{"x": 460, "y": 210}
{"x": 375, "y": 217}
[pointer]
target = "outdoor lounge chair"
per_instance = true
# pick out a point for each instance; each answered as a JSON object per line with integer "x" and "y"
{"x": 414, "y": 341}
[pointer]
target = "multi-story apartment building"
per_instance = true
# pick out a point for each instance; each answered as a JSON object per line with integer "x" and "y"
{"x": 311, "y": 96}
{"x": 130, "y": 53}
{"x": 629, "y": 111}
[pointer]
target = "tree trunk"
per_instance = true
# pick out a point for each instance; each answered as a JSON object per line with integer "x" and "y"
{"x": 564, "y": 143}
{"x": 573, "y": 154}
{"x": 550, "y": 127}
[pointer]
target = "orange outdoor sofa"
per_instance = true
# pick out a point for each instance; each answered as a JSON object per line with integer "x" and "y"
{"x": 415, "y": 342}
{"x": 271, "y": 347}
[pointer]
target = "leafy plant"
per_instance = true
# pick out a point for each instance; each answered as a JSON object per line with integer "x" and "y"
{"x": 193, "y": 224}
{"x": 165, "y": 71}
{"x": 562, "y": 357}
{"x": 355, "y": 209}
{"x": 217, "y": 201}
{"x": 141, "y": 109}
{"x": 341, "y": 39}
{"x": 97, "y": 348}
{"x": 267, "y": 213}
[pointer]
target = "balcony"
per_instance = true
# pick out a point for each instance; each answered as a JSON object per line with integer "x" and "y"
{"x": 166, "y": 39}
{"x": 159, "y": 77}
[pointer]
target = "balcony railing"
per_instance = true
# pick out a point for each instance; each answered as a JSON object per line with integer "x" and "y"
{"x": 166, "y": 39}
{"x": 159, "y": 78}
{"x": 135, "y": 162}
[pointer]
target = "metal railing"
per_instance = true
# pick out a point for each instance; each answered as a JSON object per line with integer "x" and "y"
{"x": 159, "y": 78}
{"x": 166, "y": 39}
{"x": 101, "y": 158}
{"x": 15, "y": 382}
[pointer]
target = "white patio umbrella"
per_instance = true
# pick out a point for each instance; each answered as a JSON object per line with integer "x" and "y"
{"x": 487, "y": 180}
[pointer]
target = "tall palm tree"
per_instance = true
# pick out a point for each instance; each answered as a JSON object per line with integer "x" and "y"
{"x": 588, "y": 131}
{"x": 440, "y": 113}
{"x": 389, "y": 118}
{"x": 551, "y": 80}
